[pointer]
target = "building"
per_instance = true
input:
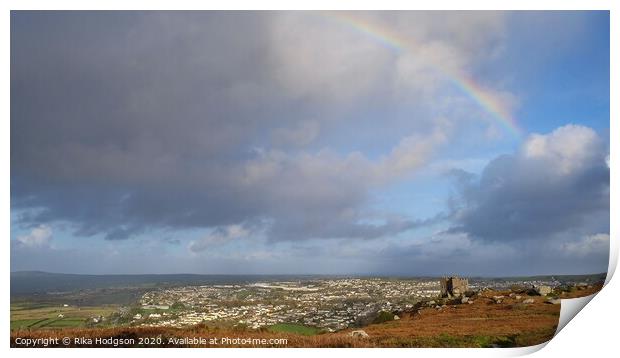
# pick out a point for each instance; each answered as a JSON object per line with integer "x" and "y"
{"x": 453, "y": 286}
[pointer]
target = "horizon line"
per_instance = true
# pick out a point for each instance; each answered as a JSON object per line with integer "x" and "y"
{"x": 310, "y": 274}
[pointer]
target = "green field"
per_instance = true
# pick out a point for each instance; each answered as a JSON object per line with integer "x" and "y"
{"x": 25, "y": 316}
{"x": 293, "y": 328}
{"x": 47, "y": 323}
{"x": 26, "y": 323}
{"x": 63, "y": 322}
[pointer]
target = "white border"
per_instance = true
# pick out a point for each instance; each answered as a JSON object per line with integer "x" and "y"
{"x": 314, "y": 5}
{"x": 593, "y": 330}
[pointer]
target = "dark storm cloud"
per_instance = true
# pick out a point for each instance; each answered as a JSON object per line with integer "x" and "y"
{"x": 121, "y": 122}
{"x": 124, "y": 120}
{"x": 488, "y": 259}
{"x": 320, "y": 226}
{"x": 556, "y": 183}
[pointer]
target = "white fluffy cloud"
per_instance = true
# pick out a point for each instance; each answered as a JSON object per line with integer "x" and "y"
{"x": 555, "y": 183}
{"x": 566, "y": 149}
{"x": 40, "y": 236}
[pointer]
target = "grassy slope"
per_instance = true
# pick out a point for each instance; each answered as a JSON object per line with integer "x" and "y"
{"x": 43, "y": 316}
{"x": 481, "y": 324}
{"x": 293, "y": 328}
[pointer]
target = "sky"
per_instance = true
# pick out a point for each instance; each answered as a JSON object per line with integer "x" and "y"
{"x": 388, "y": 143}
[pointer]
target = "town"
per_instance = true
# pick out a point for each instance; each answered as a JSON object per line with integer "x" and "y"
{"x": 326, "y": 304}
{"x": 311, "y": 310}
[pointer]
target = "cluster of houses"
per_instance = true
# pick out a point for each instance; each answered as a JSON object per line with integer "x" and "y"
{"x": 332, "y": 304}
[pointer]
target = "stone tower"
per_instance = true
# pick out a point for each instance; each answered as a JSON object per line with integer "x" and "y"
{"x": 453, "y": 286}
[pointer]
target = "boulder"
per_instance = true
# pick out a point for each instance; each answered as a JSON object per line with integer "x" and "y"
{"x": 543, "y": 290}
{"x": 553, "y": 301}
{"x": 464, "y": 299}
{"x": 529, "y": 300}
{"x": 396, "y": 317}
{"x": 359, "y": 334}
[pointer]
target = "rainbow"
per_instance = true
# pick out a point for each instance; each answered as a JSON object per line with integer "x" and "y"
{"x": 395, "y": 42}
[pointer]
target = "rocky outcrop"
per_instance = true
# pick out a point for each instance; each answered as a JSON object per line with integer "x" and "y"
{"x": 543, "y": 290}
{"x": 359, "y": 334}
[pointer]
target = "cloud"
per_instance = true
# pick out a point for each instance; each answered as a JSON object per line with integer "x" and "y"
{"x": 568, "y": 149}
{"x": 39, "y": 237}
{"x": 324, "y": 195}
{"x": 302, "y": 134}
{"x": 457, "y": 253}
{"x": 218, "y": 237}
{"x": 154, "y": 122}
{"x": 555, "y": 183}
{"x": 589, "y": 245}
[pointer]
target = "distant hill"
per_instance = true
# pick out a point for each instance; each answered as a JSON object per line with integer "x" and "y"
{"x": 29, "y": 282}
{"x": 32, "y": 282}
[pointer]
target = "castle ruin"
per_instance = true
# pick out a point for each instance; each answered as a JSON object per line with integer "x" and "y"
{"x": 453, "y": 286}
